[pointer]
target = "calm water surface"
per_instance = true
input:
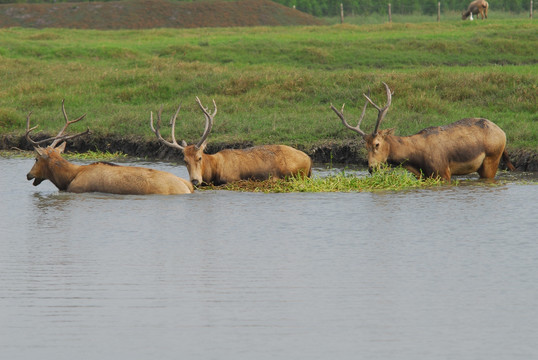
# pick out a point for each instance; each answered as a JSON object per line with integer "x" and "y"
{"x": 448, "y": 273}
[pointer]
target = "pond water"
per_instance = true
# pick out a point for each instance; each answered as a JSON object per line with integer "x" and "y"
{"x": 447, "y": 273}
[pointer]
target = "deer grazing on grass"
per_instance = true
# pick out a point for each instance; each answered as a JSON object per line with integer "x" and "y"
{"x": 97, "y": 177}
{"x": 460, "y": 148}
{"x": 229, "y": 165}
{"x": 475, "y": 8}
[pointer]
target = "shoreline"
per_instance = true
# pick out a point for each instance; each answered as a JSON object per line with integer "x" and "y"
{"x": 343, "y": 152}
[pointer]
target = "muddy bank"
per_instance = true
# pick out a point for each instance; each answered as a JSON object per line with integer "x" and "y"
{"x": 343, "y": 152}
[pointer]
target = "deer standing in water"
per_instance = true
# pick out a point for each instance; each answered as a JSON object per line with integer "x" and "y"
{"x": 460, "y": 148}
{"x": 229, "y": 165}
{"x": 476, "y": 7}
{"x": 96, "y": 177}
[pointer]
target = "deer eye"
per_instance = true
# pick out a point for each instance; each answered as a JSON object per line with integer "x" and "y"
{"x": 200, "y": 158}
{"x": 376, "y": 146}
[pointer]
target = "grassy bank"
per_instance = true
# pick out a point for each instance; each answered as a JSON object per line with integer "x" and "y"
{"x": 273, "y": 85}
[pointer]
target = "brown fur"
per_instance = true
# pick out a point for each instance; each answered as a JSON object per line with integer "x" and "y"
{"x": 476, "y": 7}
{"x": 103, "y": 177}
{"x": 459, "y": 148}
{"x": 229, "y": 165}
{"x": 257, "y": 163}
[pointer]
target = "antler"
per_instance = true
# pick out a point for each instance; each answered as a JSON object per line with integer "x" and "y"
{"x": 208, "y": 121}
{"x": 208, "y": 125}
{"x": 382, "y": 111}
{"x": 155, "y": 129}
{"x": 56, "y": 139}
{"x": 341, "y": 116}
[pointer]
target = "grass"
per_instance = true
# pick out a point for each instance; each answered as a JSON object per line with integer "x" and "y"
{"x": 375, "y": 18}
{"x": 87, "y": 156}
{"x": 386, "y": 178}
{"x": 273, "y": 84}
{"x": 91, "y": 155}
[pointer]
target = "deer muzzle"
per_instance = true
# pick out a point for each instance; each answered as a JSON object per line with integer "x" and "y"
{"x": 36, "y": 182}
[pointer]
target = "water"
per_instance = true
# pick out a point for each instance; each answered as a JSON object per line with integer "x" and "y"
{"x": 448, "y": 273}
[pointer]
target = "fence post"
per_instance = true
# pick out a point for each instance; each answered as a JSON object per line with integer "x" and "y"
{"x": 341, "y": 13}
{"x": 390, "y": 14}
{"x": 530, "y": 14}
{"x": 439, "y": 11}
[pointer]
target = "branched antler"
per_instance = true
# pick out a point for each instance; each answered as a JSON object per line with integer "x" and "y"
{"x": 354, "y": 128}
{"x": 208, "y": 121}
{"x": 174, "y": 144}
{"x": 56, "y": 139}
{"x": 382, "y": 112}
{"x": 156, "y": 129}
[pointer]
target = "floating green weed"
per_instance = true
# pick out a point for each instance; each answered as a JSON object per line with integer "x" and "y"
{"x": 384, "y": 179}
{"x": 96, "y": 156}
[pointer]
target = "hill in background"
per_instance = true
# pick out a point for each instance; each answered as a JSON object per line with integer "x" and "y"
{"x": 145, "y": 14}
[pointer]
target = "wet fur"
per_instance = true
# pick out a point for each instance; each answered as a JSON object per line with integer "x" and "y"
{"x": 103, "y": 177}
{"x": 256, "y": 163}
{"x": 459, "y": 148}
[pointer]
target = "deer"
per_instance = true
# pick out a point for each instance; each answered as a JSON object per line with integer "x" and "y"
{"x": 476, "y": 7}
{"x": 101, "y": 177}
{"x": 463, "y": 147}
{"x": 230, "y": 165}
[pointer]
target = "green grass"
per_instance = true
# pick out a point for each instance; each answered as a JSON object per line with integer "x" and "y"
{"x": 446, "y": 16}
{"x": 386, "y": 179}
{"x": 88, "y": 155}
{"x": 273, "y": 84}
{"x": 96, "y": 156}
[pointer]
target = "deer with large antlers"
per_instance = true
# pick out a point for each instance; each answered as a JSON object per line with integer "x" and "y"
{"x": 460, "y": 148}
{"x": 229, "y": 165}
{"x": 96, "y": 177}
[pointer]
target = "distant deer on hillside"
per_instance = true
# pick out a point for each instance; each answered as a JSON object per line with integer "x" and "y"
{"x": 476, "y": 7}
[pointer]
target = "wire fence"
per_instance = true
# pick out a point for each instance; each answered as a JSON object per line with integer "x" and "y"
{"x": 392, "y": 12}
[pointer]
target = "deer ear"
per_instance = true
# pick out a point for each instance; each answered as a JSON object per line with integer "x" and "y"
{"x": 387, "y": 132}
{"x": 40, "y": 151}
{"x": 61, "y": 147}
{"x": 204, "y": 144}
{"x": 184, "y": 143}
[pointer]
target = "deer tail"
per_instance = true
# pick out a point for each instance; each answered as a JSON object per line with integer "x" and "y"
{"x": 507, "y": 161}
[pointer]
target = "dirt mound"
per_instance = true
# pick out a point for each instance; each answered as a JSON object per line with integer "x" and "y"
{"x": 145, "y": 14}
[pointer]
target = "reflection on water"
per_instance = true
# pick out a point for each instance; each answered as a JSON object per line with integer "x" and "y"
{"x": 422, "y": 274}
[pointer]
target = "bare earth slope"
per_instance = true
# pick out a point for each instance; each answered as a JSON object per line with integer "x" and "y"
{"x": 144, "y": 14}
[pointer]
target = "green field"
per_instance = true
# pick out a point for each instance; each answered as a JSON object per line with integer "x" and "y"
{"x": 273, "y": 84}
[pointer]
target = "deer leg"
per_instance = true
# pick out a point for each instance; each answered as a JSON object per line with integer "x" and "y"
{"x": 488, "y": 170}
{"x": 446, "y": 174}
{"x": 413, "y": 170}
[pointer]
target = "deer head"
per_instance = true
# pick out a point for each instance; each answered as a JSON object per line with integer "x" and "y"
{"x": 376, "y": 144}
{"x": 44, "y": 156}
{"x": 192, "y": 154}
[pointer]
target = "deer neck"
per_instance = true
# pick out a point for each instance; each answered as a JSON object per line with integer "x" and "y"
{"x": 210, "y": 168}
{"x": 402, "y": 149}
{"x": 62, "y": 172}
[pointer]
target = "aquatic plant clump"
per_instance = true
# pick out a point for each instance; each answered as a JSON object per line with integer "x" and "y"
{"x": 384, "y": 179}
